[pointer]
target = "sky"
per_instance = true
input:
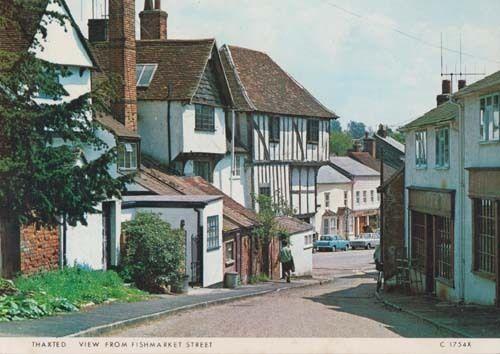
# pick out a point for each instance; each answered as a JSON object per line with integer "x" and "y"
{"x": 375, "y": 61}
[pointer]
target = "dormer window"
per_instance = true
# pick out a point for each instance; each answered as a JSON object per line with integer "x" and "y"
{"x": 144, "y": 74}
{"x": 127, "y": 156}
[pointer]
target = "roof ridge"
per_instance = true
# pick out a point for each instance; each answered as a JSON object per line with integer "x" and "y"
{"x": 200, "y": 40}
{"x": 237, "y": 76}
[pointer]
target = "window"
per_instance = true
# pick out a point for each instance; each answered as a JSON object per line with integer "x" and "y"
{"x": 238, "y": 162}
{"x": 326, "y": 226}
{"x": 144, "y": 74}
{"x": 378, "y": 197}
{"x": 443, "y": 147}
{"x": 202, "y": 169}
{"x": 327, "y": 200}
{"x": 308, "y": 241}
{"x": 364, "y": 197}
{"x": 229, "y": 253}
{"x": 212, "y": 232}
{"x": 485, "y": 217}
{"x": 358, "y": 196}
{"x": 444, "y": 248}
{"x": 127, "y": 156}
{"x": 265, "y": 190}
{"x": 312, "y": 131}
{"x": 421, "y": 148}
{"x": 204, "y": 118}
{"x": 372, "y": 196}
{"x": 345, "y": 198}
{"x": 418, "y": 238}
{"x": 490, "y": 118}
{"x": 274, "y": 129}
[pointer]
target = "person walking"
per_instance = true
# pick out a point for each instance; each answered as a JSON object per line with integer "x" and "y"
{"x": 286, "y": 260}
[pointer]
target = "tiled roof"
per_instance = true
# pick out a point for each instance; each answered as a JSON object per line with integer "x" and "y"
{"x": 23, "y": 23}
{"x": 293, "y": 225}
{"x": 327, "y": 175}
{"x": 235, "y": 215}
{"x": 260, "y": 84}
{"x": 490, "y": 81}
{"x": 352, "y": 167}
{"x": 181, "y": 64}
{"x": 442, "y": 113}
{"x": 392, "y": 142}
{"x": 115, "y": 127}
{"x": 172, "y": 198}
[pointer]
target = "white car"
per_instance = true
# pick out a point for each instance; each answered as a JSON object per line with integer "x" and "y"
{"x": 366, "y": 241}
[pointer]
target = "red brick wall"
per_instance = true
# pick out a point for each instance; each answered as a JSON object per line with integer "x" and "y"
{"x": 153, "y": 24}
{"x": 39, "y": 249}
{"x": 123, "y": 60}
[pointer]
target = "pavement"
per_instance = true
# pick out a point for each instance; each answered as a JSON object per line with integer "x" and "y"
{"x": 101, "y": 319}
{"x": 467, "y": 321}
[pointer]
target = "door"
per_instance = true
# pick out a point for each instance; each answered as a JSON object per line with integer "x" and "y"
{"x": 196, "y": 259}
{"x": 107, "y": 208}
{"x": 430, "y": 256}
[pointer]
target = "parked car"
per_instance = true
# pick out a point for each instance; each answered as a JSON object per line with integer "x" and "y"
{"x": 331, "y": 243}
{"x": 366, "y": 241}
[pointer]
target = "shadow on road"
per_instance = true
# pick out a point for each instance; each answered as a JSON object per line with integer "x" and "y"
{"x": 361, "y": 301}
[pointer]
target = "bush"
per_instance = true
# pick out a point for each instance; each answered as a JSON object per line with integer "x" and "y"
{"x": 154, "y": 253}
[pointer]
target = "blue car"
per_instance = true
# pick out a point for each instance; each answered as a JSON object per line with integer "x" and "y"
{"x": 331, "y": 243}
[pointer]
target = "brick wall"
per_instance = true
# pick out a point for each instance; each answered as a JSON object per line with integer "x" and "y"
{"x": 39, "y": 249}
{"x": 123, "y": 61}
{"x": 153, "y": 24}
{"x": 392, "y": 223}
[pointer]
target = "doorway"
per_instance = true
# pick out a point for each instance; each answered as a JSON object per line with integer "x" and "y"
{"x": 430, "y": 256}
{"x": 107, "y": 212}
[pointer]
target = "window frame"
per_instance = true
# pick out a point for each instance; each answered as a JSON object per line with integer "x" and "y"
{"x": 313, "y": 131}
{"x": 128, "y": 155}
{"x": 138, "y": 78}
{"x": 445, "y": 248}
{"x": 267, "y": 187}
{"x": 274, "y": 129}
{"x": 326, "y": 226}
{"x": 417, "y": 237}
{"x": 213, "y": 242}
{"x": 421, "y": 148}
{"x": 489, "y": 130}
{"x": 358, "y": 197}
{"x": 346, "y": 198}
{"x": 229, "y": 261}
{"x": 365, "y": 197}
{"x": 479, "y": 263}
{"x": 327, "y": 200}
{"x": 210, "y": 172}
{"x": 204, "y": 121}
{"x": 372, "y": 196}
{"x": 238, "y": 162}
{"x": 442, "y": 142}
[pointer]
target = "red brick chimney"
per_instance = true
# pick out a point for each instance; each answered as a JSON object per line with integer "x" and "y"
{"x": 123, "y": 60}
{"x": 153, "y": 21}
{"x": 369, "y": 145}
{"x": 445, "y": 92}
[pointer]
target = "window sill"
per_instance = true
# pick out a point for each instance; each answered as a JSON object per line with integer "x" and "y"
{"x": 421, "y": 167}
{"x": 484, "y": 275}
{"x": 447, "y": 282}
{"x": 312, "y": 143}
{"x": 213, "y": 249}
{"x": 204, "y": 130}
{"x": 235, "y": 178}
{"x": 229, "y": 263}
{"x": 442, "y": 168}
{"x": 308, "y": 247}
{"x": 489, "y": 142}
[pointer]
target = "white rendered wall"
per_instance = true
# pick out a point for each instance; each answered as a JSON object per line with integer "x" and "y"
{"x": 302, "y": 254}
{"x": 234, "y": 186}
{"x": 200, "y": 141}
{"x": 366, "y": 184}
{"x": 153, "y": 129}
{"x": 336, "y": 201}
{"x": 213, "y": 272}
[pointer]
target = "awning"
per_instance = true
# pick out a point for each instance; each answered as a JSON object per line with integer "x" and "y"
{"x": 434, "y": 201}
{"x": 484, "y": 182}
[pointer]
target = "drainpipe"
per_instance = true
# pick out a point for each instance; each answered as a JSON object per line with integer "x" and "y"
{"x": 200, "y": 252}
{"x": 169, "y": 96}
{"x": 62, "y": 257}
{"x": 461, "y": 176}
{"x": 233, "y": 160}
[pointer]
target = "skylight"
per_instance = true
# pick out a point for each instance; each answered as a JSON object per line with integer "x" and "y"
{"x": 144, "y": 74}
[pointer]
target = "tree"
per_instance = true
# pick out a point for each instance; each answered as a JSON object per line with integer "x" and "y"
{"x": 397, "y": 135}
{"x": 340, "y": 142}
{"x": 44, "y": 173}
{"x": 268, "y": 228}
{"x": 356, "y": 129}
{"x": 335, "y": 126}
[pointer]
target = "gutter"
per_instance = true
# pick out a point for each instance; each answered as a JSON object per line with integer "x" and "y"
{"x": 168, "y": 124}
{"x": 461, "y": 175}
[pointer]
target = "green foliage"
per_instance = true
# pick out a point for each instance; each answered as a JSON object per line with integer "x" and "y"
{"x": 154, "y": 254}
{"x": 356, "y": 129}
{"x": 43, "y": 171}
{"x": 397, "y": 135}
{"x": 254, "y": 279}
{"x": 335, "y": 126}
{"x": 78, "y": 286}
{"x": 48, "y": 293}
{"x": 340, "y": 142}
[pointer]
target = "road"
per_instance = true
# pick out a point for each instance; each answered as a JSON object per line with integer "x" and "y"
{"x": 346, "y": 307}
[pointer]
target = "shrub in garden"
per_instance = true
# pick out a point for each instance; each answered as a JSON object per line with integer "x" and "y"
{"x": 154, "y": 253}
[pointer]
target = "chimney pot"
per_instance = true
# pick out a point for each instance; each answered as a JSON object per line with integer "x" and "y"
{"x": 148, "y": 5}
{"x": 446, "y": 87}
{"x": 158, "y": 4}
{"x": 461, "y": 84}
{"x": 153, "y": 21}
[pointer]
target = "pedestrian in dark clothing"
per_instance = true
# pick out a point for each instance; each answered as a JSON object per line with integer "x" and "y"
{"x": 286, "y": 260}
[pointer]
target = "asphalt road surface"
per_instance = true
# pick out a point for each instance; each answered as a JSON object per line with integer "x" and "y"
{"x": 346, "y": 307}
